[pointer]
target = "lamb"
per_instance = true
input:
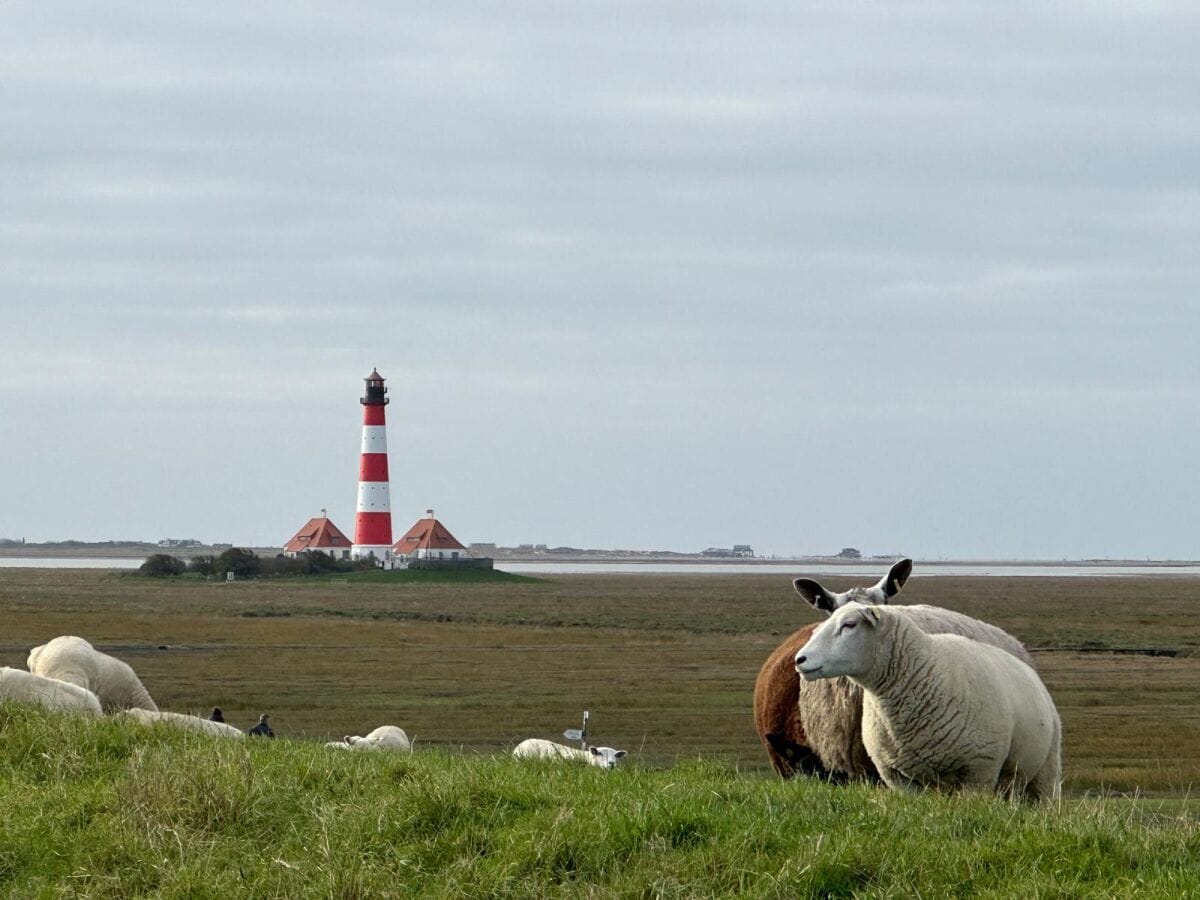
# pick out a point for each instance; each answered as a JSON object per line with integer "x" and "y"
{"x": 25, "y": 687}
{"x": 385, "y": 737}
{"x": 816, "y": 727}
{"x": 941, "y": 710}
{"x": 188, "y": 723}
{"x": 73, "y": 659}
{"x": 262, "y": 729}
{"x": 536, "y": 748}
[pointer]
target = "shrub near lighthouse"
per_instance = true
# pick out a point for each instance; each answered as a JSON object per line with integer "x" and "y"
{"x": 373, "y": 518}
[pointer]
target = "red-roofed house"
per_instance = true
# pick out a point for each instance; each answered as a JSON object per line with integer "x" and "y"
{"x": 429, "y": 539}
{"x": 319, "y": 533}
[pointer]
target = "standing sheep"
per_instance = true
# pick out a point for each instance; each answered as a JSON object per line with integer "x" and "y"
{"x": 536, "y": 748}
{"x": 24, "y": 687}
{"x": 941, "y": 710}
{"x": 816, "y": 727}
{"x": 778, "y": 715}
{"x": 73, "y": 659}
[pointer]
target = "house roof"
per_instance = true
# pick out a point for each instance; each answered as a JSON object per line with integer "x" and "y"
{"x": 427, "y": 534}
{"x": 318, "y": 533}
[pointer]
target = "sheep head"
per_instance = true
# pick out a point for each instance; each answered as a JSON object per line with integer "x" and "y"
{"x": 879, "y": 593}
{"x": 843, "y": 644}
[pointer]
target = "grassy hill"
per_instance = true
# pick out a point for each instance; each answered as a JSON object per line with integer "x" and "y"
{"x": 106, "y": 808}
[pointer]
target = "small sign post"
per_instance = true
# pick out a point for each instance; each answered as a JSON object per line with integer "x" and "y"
{"x": 578, "y": 734}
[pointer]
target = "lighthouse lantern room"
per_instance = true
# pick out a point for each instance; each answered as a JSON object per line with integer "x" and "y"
{"x": 373, "y": 519}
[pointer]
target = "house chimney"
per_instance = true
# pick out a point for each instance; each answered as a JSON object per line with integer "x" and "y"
{"x": 429, "y": 513}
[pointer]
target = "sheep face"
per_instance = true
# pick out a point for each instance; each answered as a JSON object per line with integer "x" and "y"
{"x": 879, "y": 593}
{"x": 842, "y": 645}
{"x": 605, "y": 757}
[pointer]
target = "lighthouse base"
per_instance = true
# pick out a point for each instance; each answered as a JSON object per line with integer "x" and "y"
{"x": 382, "y": 554}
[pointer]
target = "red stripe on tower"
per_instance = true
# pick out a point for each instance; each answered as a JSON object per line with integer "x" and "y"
{"x": 373, "y": 519}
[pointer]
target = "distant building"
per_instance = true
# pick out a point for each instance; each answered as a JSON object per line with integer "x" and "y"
{"x": 482, "y": 548}
{"x": 177, "y": 543}
{"x": 429, "y": 539}
{"x": 743, "y": 551}
{"x": 319, "y": 533}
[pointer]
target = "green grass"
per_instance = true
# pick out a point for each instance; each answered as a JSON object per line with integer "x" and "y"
{"x": 430, "y": 576}
{"x": 105, "y": 808}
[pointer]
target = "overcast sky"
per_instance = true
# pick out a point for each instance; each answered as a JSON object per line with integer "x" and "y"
{"x": 915, "y": 278}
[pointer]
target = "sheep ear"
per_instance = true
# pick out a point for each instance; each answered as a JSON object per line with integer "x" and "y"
{"x": 894, "y": 580}
{"x": 593, "y": 751}
{"x": 620, "y": 754}
{"x": 815, "y": 595}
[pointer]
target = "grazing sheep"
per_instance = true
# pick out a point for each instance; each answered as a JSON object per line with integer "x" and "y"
{"x": 536, "y": 748}
{"x": 262, "y": 729}
{"x": 24, "y": 687}
{"x": 816, "y": 727}
{"x": 385, "y": 737}
{"x": 941, "y": 710}
{"x": 188, "y": 723}
{"x": 73, "y": 659}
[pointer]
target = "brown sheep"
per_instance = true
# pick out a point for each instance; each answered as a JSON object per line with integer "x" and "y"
{"x": 777, "y": 711}
{"x": 777, "y": 714}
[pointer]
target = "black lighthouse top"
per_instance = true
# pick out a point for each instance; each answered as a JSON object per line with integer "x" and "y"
{"x": 375, "y": 390}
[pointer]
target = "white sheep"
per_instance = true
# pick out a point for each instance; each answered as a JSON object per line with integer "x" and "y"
{"x": 185, "y": 722}
{"x": 25, "y": 687}
{"x": 385, "y": 737}
{"x": 73, "y": 659}
{"x": 941, "y": 710}
{"x": 816, "y": 727}
{"x": 536, "y": 748}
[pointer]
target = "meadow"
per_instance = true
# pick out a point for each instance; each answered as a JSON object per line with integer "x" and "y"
{"x": 665, "y": 664}
{"x": 469, "y": 665}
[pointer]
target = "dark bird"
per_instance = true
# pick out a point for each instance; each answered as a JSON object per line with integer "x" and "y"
{"x": 262, "y": 729}
{"x": 216, "y": 715}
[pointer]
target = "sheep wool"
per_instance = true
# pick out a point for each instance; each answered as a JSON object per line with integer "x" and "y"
{"x": 73, "y": 659}
{"x": 184, "y": 722}
{"x": 385, "y": 737}
{"x": 941, "y": 710}
{"x": 20, "y": 686}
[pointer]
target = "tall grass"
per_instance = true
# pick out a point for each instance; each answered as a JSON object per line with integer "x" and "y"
{"x": 106, "y": 808}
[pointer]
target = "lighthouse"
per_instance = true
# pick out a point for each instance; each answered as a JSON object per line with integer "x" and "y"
{"x": 373, "y": 520}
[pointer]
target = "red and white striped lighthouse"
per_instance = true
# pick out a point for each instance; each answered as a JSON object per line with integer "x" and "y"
{"x": 373, "y": 521}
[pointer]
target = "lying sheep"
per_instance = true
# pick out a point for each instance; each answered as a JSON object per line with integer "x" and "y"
{"x": 75, "y": 660}
{"x": 941, "y": 710}
{"x": 24, "y": 687}
{"x": 536, "y": 748}
{"x": 816, "y": 727}
{"x": 188, "y": 723}
{"x": 385, "y": 737}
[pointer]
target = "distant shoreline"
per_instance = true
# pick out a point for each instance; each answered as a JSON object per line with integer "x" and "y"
{"x": 124, "y": 550}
